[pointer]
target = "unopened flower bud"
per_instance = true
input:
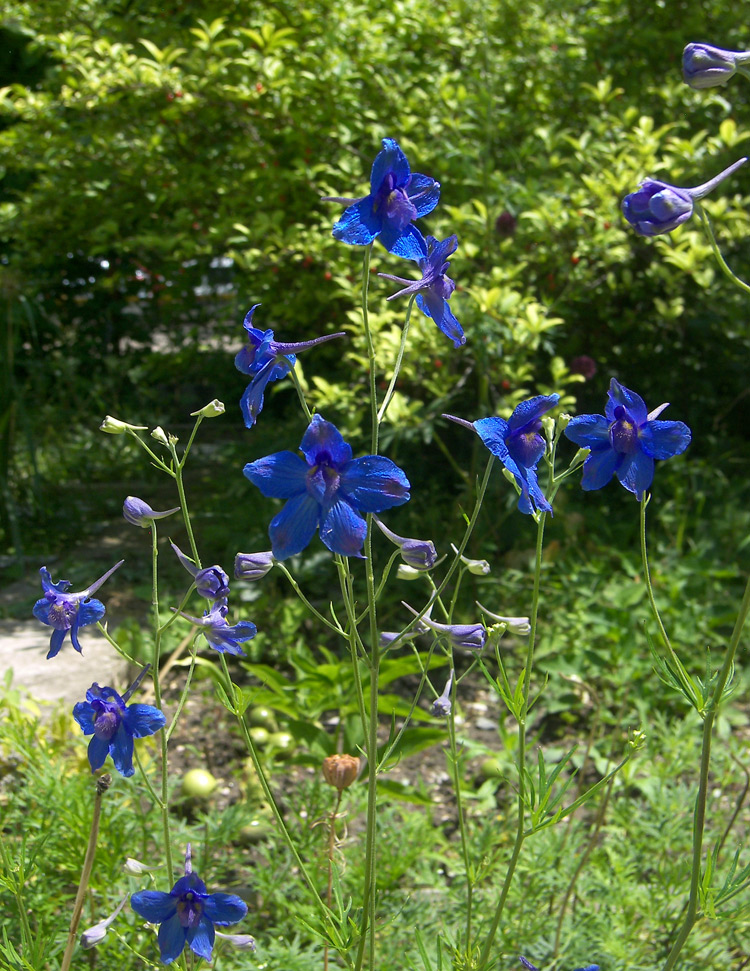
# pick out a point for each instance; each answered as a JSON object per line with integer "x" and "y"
{"x": 253, "y": 566}
{"x": 160, "y": 435}
{"x": 138, "y": 512}
{"x": 243, "y": 942}
{"x": 212, "y": 410}
{"x": 113, "y": 426}
{"x": 341, "y": 770}
{"x": 405, "y": 572}
{"x": 441, "y": 707}
{"x": 96, "y": 934}
{"x": 419, "y": 554}
{"x": 517, "y": 625}
{"x": 477, "y": 567}
{"x": 136, "y": 868}
{"x": 706, "y": 66}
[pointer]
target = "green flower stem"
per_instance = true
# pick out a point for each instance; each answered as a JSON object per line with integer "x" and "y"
{"x": 370, "y": 351}
{"x": 313, "y": 610}
{"x": 185, "y": 690}
{"x": 300, "y": 393}
{"x": 102, "y": 784}
{"x": 717, "y": 252}
{"x": 699, "y": 818}
{"x": 183, "y": 501}
{"x": 157, "y": 460}
{"x": 113, "y": 643}
{"x": 462, "y": 828}
{"x": 146, "y": 780}
{"x": 399, "y": 359}
{"x": 485, "y": 955}
{"x": 355, "y": 645}
{"x": 263, "y": 779}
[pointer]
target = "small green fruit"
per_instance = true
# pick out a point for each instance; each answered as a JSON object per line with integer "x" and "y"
{"x": 282, "y": 742}
{"x": 198, "y": 784}
{"x": 259, "y": 735}
{"x": 491, "y": 769}
{"x": 264, "y": 717}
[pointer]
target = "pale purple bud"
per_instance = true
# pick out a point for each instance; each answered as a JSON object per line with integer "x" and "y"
{"x": 138, "y": 512}
{"x": 253, "y": 566}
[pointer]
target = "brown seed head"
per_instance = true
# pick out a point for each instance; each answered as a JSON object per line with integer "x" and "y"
{"x": 341, "y": 770}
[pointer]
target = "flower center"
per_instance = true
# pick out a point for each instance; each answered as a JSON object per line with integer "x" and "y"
{"x": 527, "y": 446}
{"x": 323, "y": 479}
{"x": 401, "y": 210}
{"x": 106, "y": 720}
{"x": 189, "y": 909}
{"x": 623, "y": 433}
{"x": 62, "y": 614}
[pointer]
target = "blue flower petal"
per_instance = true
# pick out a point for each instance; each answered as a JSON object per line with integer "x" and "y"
{"x": 531, "y": 410}
{"x": 374, "y": 483}
{"x": 493, "y": 432}
{"x": 292, "y": 529}
{"x": 56, "y": 642}
{"x": 171, "y": 939}
{"x": 142, "y": 720}
{"x": 278, "y": 476}
{"x": 201, "y": 938}
{"x": 74, "y": 635}
{"x": 90, "y": 612}
{"x": 588, "y": 431}
{"x": 433, "y": 305}
{"x": 536, "y": 498}
{"x": 599, "y": 468}
{"x": 408, "y": 243}
{"x": 154, "y": 906}
{"x": 424, "y": 194}
{"x": 224, "y": 908}
{"x": 98, "y": 752}
{"x": 636, "y": 472}
{"x": 251, "y": 402}
{"x": 323, "y": 437}
{"x": 390, "y": 160}
{"x": 618, "y": 394}
{"x": 49, "y": 585}
{"x": 664, "y": 439}
{"x": 342, "y": 529}
{"x": 121, "y": 750}
{"x": 41, "y": 610}
{"x": 83, "y": 713}
{"x": 359, "y": 224}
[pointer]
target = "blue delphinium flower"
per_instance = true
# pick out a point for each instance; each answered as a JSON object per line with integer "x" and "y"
{"x": 625, "y": 441}
{"x": 519, "y": 444}
{"x": 435, "y": 288}
{"x": 328, "y": 490}
{"x": 187, "y": 914}
{"x": 420, "y": 554}
{"x": 397, "y": 197}
{"x": 220, "y": 635}
{"x": 706, "y": 66}
{"x": 114, "y": 725}
{"x": 211, "y": 582}
{"x": 658, "y": 207}
{"x": 266, "y": 359}
{"x": 68, "y": 611}
{"x": 137, "y": 512}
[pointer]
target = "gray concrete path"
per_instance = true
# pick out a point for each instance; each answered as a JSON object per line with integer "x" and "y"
{"x": 65, "y": 678}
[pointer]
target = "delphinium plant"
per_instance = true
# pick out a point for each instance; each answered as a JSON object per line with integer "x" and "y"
{"x": 348, "y": 500}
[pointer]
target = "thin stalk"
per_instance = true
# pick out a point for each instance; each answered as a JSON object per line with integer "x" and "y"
{"x": 699, "y": 817}
{"x": 300, "y": 394}
{"x": 717, "y": 252}
{"x": 526, "y": 683}
{"x": 370, "y": 351}
{"x": 331, "y": 847}
{"x": 313, "y": 610}
{"x": 399, "y": 359}
{"x": 102, "y": 784}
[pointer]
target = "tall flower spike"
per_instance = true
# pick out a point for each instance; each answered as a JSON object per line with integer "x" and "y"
{"x": 188, "y": 914}
{"x": 211, "y": 582}
{"x": 435, "y": 288}
{"x": 658, "y": 207}
{"x": 625, "y": 441}
{"x": 65, "y": 611}
{"x": 220, "y": 635}
{"x": 328, "y": 491}
{"x": 265, "y": 360}
{"x": 114, "y": 725}
{"x": 420, "y": 554}
{"x": 397, "y": 197}
{"x": 519, "y": 444}
{"x": 706, "y": 66}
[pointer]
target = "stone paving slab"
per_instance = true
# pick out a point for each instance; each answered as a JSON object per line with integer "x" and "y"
{"x": 23, "y": 649}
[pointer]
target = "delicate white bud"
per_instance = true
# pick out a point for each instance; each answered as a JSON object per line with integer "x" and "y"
{"x": 212, "y": 410}
{"x": 113, "y": 426}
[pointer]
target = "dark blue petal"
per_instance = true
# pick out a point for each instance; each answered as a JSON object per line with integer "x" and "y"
{"x": 424, "y": 194}
{"x": 56, "y": 642}
{"x": 98, "y": 752}
{"x": 374, "y": 483}
{"x": 493, "y": 432}
{"x": 224, "y": 908}
{"x": 121, "y": 750}
{"x": 534, "y": 495}
{"x": 389, "y": 161}
{"x": 359, "y": 224}
{"x": 201, "y": 938}
{"x": 191, "y": 881}
{"x": 278, "y": 476}
{"x": 620, "y": 395}
{"x": 83, "y": 713}
{"x": 408, "y": 243}
{"x": 142, "y": 720}
{"x": 664, "y": 439}
{"x": 526, "y": 448}
{"x": 154, "y": 906}
{"x": 599, "y": 468}
{"x": 588, "y": 431}
{"x": 530, "y": 411}
{"x": 342, "y": 529}
{"x": 74, "y": 635}
{"x": 41, "y": 610}
{"x": 171, "y": 939}
{"x": 251, "y": 402}
{"x": 433, "y": 305}
{"x": 90, "y": 612}
{"x": 292, "y": 529}
{"x": 636, "y": 472}
{"x": 321, "y": 438}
